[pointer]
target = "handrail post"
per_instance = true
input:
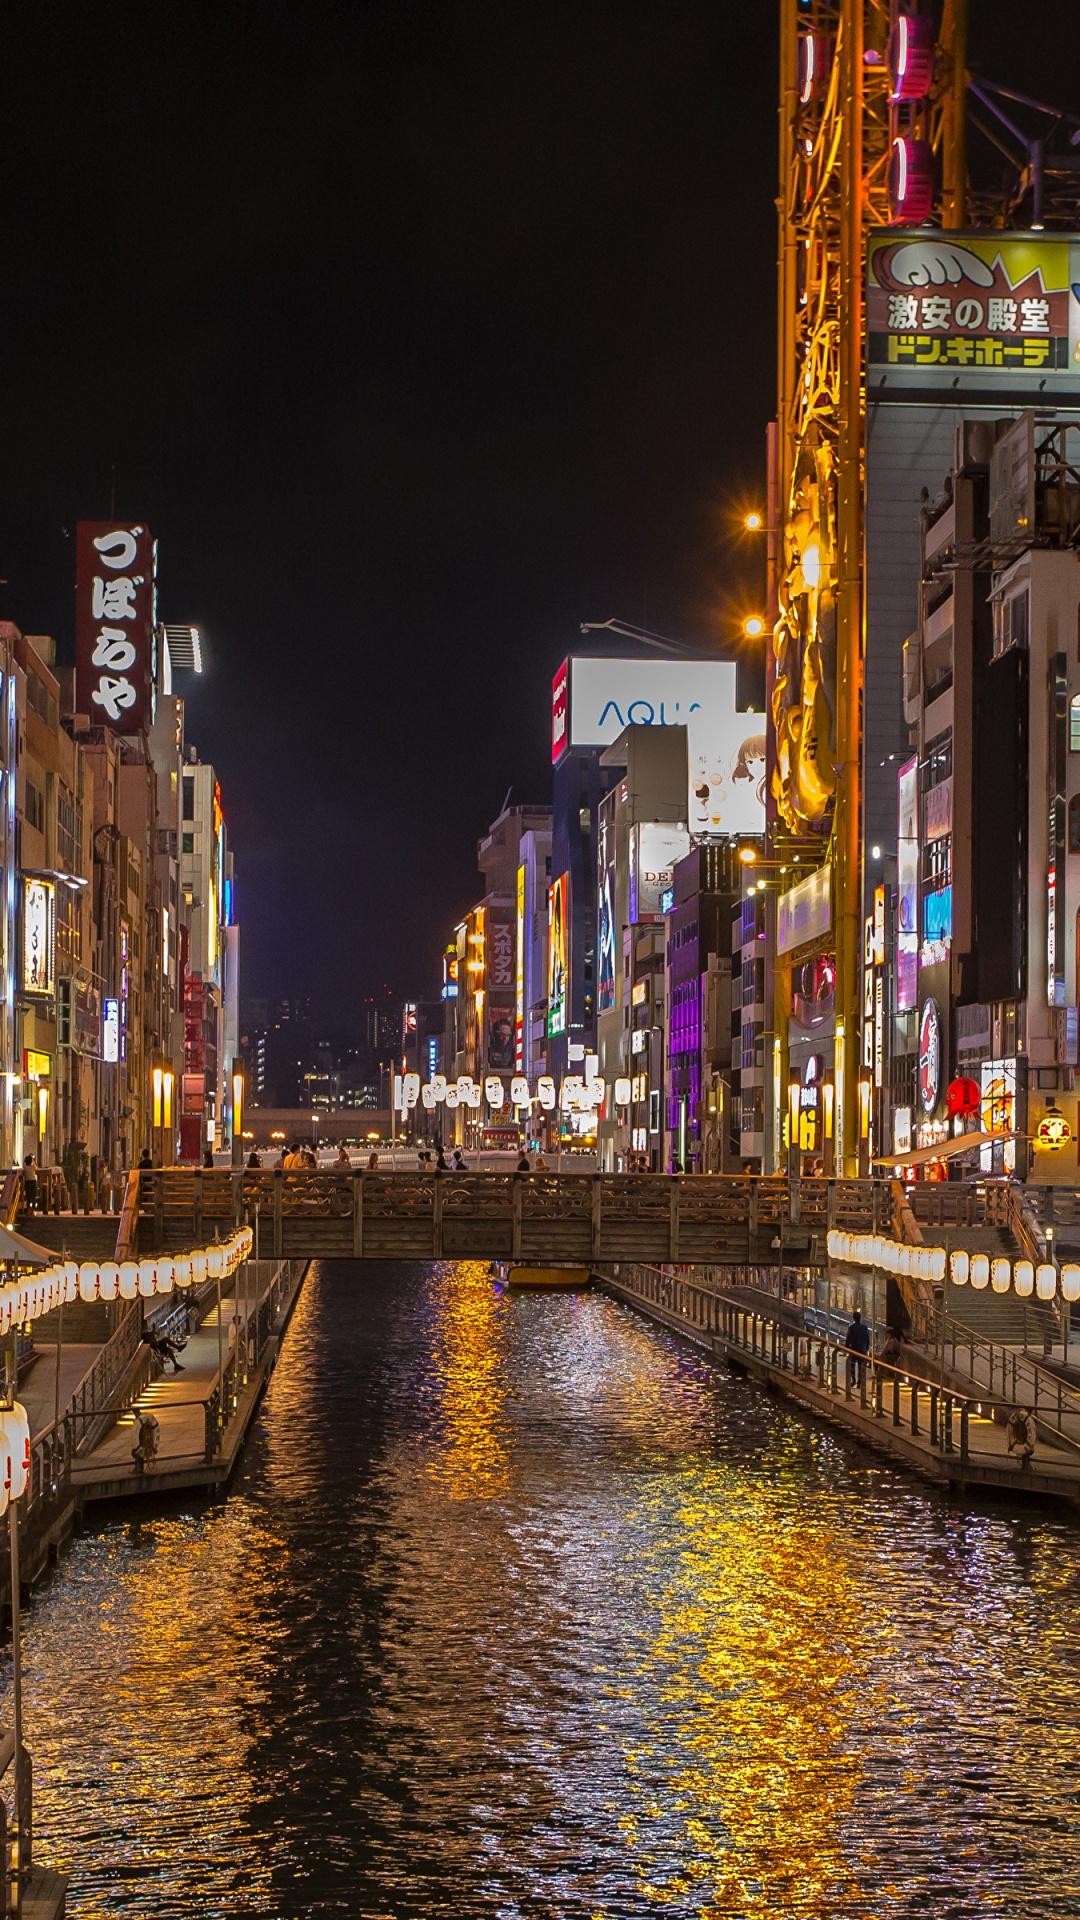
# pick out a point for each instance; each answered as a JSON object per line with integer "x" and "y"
{"x": 673, "y": 1219}
{"x": 963, "y": 1430}
{"x": 597, "y": 1198}
{"x": 914, "y": 1392}
{"x": 358, "y": 1215}
{"x": 279, "y": 1184}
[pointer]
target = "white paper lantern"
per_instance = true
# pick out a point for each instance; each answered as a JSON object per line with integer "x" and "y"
{"x": 147, "y": 1278}
{"x": 1045, "y": 1280}
{"x": 545, "y": 1092}
{"x": 70, "y": 1273}
{"x": 1070, "y": 1281}
{"x": 832, "y": 1238}
{"x": 958, "y": 1268}
{"x": 495, "y": 1091}
{"x": 163, "y": 1276}
{"x": 1001, "y": 1275}
{"x": 198, "y": 1269}
{"x": 88, "y": 1280}
{"x": 938, "y": 1263}
{"x": 129, "y": 1279}
{"x": 519, "y": 1091}
{"x": 182, "y": 1270}
{"x": 16, "y": 1443}
{"x": 979, "y": 1271}
{"x": 108, "y": 1280}
{"x": 1024, "y": 1278}
{"x": 427, "y": 1096}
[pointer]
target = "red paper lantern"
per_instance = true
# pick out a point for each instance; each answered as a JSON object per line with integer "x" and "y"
{"x": 963, "y": 1097}
{"x": 911, "y": 181}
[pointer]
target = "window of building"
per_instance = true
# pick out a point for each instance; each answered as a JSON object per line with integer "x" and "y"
{"x": 35, "y": 807}
{"x": 1074, "y": 824}
{"x": 188, "y": 845}
{"x": 1074, "y": 724}
{"x": 189, "y": 796}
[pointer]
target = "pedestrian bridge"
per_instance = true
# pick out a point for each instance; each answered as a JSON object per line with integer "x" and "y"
{"x": 542, "y": 1219}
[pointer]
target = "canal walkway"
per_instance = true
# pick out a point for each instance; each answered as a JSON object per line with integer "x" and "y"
{"x": 945, "y": 1433}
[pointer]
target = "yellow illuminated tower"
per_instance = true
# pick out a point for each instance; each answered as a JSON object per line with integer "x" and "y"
{"x": 871, "y": 130}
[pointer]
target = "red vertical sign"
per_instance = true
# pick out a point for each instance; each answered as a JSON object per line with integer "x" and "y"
{"x": 114, "y": 624}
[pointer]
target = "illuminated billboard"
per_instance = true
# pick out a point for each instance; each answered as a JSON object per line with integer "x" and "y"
{"x": 557, "y": 981}
{"x": 907, "y": 888}
{"x": 114, "y": 624}
{"x": 594, "y": 700}
{"x": 519, "y": 973}
{"x": 39, "y": 936}
{"x": 956, "y": 310}
{"x": 654, "y": 850}
{"x": 605, "y": 970}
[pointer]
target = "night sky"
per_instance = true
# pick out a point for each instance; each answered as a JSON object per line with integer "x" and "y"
{"x": 419, "y": 333}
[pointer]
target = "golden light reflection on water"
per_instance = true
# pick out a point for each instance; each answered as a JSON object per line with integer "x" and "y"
{"x": 471, "y": 1458}
{"x": 754, "y": 1669}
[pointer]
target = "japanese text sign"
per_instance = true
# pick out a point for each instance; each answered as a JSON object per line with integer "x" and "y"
{"x": 114, "y": 624}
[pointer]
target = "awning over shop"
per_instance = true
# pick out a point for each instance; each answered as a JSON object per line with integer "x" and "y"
{"x": 944, "y": 1150}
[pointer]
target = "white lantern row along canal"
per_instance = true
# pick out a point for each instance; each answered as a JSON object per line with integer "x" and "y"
{"x": 34, "y": 1294}
{"x": 576, "y": 1094}
{"x": 978, "y": 1270}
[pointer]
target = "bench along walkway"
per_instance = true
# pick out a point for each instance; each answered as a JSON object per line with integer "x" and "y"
{"x": 203, "y": 1412}
{"x": 945, "y": 1434}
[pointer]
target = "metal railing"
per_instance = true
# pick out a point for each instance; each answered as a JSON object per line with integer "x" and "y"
{"x": 804, "y": 1350}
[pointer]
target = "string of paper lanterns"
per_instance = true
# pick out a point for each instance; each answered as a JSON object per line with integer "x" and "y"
{"x": 978, "y": 1270}
{"x": 34, "y": 1294}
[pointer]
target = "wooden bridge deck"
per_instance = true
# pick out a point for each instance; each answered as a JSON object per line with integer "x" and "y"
{"x": 538, "y": 1218}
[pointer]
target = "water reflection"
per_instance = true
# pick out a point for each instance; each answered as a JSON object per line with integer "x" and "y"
{"x": 520, "y": 1608}
{"x": 469, "y": 1353}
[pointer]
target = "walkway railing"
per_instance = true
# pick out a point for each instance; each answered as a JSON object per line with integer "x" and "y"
{"x": 766, "y": 1330}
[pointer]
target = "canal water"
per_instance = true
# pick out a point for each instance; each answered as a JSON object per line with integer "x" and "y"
{"x": 521, "y": 1607}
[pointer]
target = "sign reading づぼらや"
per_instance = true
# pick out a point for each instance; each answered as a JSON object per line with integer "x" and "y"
{"x": 114, "y": 624}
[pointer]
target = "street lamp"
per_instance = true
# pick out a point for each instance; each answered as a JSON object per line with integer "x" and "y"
{"x": 754, "y": 522}
{"x": 753, "y": 626}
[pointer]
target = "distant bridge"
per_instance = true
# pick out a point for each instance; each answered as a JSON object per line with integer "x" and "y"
{"x": 539, "y": 1219}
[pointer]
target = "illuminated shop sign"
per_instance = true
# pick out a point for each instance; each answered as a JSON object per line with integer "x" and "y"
{"x": 907, "y": 888}
{"x": 110, "y": 1031}
{"x": 39, "y": 936}
{"x": 962, "y": 310}
{"x": 114, "y": 624}
{"x": 557, "y": 984}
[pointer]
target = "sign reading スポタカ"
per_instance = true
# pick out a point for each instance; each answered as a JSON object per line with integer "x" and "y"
{"x": 114, "y": 624}
{"x": 974, "y": 310}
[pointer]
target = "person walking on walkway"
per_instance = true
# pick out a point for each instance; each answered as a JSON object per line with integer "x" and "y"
{"x": 147, "y": 1433}
{"x": 373, "y": 1162}
{"x": 857, "y": 1342}
{"x": 255, "y": 1160}
{"x": 30, "y": 1185}
{"x": 146, "y": 1161}
{"x": 1022, "y": 1435}
{"x": 891, "y": 1351}
{"x": 523, "y": 1163}
{"x": 442, "y": 1165}
{"x": 343, "y": 1163}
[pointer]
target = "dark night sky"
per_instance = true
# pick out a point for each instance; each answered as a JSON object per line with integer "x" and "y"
{"x": 419, "y": 333}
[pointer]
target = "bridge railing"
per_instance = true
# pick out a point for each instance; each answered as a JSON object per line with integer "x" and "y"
{"x": 541, "y": 1216}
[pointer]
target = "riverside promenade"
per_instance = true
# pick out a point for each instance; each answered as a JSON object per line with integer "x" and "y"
{"x": 951, "y": 1435}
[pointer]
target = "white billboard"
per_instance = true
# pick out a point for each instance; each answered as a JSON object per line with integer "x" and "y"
{"x": 726, "y": 748}
{"x": 654, "y": 850}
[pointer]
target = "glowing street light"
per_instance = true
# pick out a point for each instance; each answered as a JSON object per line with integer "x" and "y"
{"x": 754, "y": 626}
{"x": 748, "y": 855}
{"x": 753, "y": 523}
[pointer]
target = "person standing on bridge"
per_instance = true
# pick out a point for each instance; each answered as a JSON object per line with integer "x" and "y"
{"x": 857, "y": 1342}
{"x": 459, "y": 1161}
